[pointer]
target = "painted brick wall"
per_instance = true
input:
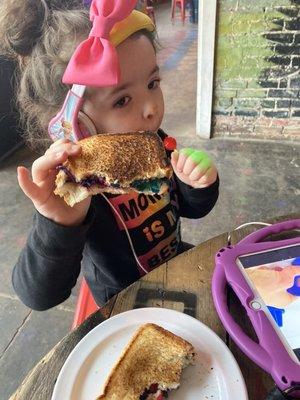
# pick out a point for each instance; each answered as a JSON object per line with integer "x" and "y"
{"x": 257, "y": 80}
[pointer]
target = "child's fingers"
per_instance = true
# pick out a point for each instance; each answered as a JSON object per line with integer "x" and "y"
{"x": 60, "y": 141}
{"x": 191, "y": 155}
{"x": 29, "y": 188}
{"x": 196, "y": 173}
{"x": 189, "y": 166}
{"x": 69, "y": 147}
{"x": 212, "y": 174}
{"x": 207, "y": 179}
{"x": 181, "y": 161}
{"x": 194, "y": 158}
{"x": 53, "y": 157}
{"x": 200, "y": 170}
{"x": 43, "y": 165}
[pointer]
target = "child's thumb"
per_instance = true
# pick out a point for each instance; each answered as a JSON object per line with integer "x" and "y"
{"x": 30, "y": 189}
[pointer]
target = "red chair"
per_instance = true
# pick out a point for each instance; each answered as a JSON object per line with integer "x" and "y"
{"x": 85, "y": 306}
{"x": 181, "y": 4}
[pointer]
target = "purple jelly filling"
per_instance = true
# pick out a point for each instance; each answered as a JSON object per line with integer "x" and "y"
{"x": 93, "y": 180}
{"x": 67, "y": 172}
{"x": 153, "y": 185}
{"x": 87, "y": 182}
{"x": 153, "y": 389}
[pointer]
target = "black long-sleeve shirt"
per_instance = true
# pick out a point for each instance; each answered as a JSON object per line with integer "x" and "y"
{"x": 49, "y": 265}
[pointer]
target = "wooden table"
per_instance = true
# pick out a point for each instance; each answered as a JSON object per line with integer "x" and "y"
{"x": 183, "y": 284}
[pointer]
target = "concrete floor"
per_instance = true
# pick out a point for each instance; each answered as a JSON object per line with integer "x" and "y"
{"x": 259, "y": 180}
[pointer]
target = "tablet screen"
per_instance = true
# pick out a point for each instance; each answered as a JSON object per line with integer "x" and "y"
{"x": 275, "y": 274}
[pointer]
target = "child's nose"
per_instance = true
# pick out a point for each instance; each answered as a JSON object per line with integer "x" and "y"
{"x": 149, "y": 110}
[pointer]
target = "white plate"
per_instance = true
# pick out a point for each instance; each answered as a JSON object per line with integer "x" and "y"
{"x": 215, "y": 374}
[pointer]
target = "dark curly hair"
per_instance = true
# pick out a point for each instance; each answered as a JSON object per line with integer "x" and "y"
{"x": 42, "y": 36}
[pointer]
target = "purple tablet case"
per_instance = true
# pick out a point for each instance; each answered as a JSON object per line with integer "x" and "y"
{"x": 269, "y": 353}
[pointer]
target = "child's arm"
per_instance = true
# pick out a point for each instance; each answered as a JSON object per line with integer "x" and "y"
{"x": 49, "y": 265}
{"x": 197, "y": 180}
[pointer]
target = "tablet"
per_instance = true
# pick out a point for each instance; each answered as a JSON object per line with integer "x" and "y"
{"x": 274, "y": 277}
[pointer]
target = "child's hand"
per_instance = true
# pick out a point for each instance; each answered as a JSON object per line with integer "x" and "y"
{"x": 40, "y": 187}
{"x": 194, "y": 167}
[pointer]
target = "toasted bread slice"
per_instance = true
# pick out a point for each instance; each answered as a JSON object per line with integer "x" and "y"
{"x": 150, "y": 365}
{"x": 115, "y": 163}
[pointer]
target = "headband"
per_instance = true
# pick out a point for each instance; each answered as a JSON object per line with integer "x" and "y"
{"x": 95, "y": 60}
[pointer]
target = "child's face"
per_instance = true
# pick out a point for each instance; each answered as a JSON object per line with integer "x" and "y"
{"x": 136, "y": 103}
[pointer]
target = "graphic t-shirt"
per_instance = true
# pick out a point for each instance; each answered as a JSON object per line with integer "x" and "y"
{"x": 153, "y": 224}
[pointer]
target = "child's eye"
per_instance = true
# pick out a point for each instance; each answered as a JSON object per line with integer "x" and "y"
{"x": 122, "y": 102}
{"x": 154, "y": 84}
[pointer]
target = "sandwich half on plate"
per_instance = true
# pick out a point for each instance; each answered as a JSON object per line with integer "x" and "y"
{"x": 115, "y": 163}
{"x": 150, "y": 366}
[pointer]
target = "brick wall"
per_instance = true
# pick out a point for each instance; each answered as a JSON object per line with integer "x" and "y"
{"x": 257, "y": 80}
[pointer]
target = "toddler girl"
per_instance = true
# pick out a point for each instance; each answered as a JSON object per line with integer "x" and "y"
{"x": 43, "y": 36}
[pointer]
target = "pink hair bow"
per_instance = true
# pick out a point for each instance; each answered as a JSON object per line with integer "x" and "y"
{"x": 95, "y": 61}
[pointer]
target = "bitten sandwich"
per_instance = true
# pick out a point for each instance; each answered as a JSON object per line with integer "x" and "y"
{"x": 115, "y": 163}
{"x": 150, "y": 366}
